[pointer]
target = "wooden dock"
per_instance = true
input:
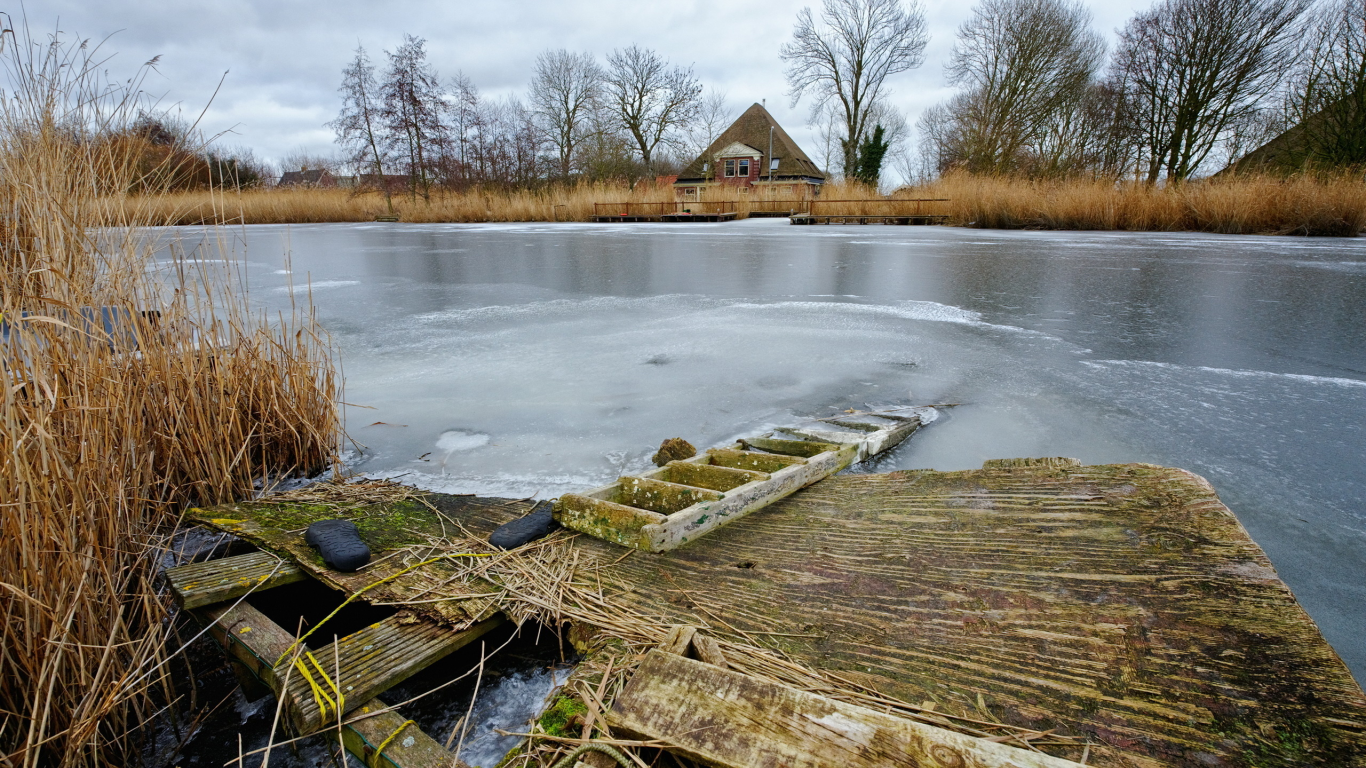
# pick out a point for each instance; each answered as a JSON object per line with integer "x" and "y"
{"x": 676, "y": 212}
{"x": 1120, "y": 609}
{"x": 903, "y": 212}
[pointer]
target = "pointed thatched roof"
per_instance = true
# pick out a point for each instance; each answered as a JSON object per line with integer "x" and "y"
{"x": 752, "y": 129}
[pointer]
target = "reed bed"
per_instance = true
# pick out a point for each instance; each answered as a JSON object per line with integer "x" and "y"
{"x": 1333, "y": 205}
{"x": 131, "y": 388}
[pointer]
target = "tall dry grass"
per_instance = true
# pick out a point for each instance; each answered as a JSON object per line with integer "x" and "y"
{"x": 1308, "y": 205}
{"x": 1303, "y": 205}
{"x": 108, "y": 429}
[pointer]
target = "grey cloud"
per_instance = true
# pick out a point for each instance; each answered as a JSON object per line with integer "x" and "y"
{"x": 284, "y": 58}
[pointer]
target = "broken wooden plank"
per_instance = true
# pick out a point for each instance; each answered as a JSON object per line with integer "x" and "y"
{"x": 254, "y": 642}
{"x": 405, "y": 744}
{"x": 364, "y": 664}
{"x": 215, "y": 581}
{"x": 723, "y": 718}
{"x": 708, "y": 651}
{"x": 679, "y": 640}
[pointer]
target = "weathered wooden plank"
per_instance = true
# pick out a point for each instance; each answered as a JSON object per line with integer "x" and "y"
{"x": 367, "y": 663}
{"x": 250, "y": 638}
{"x": 710, "y": 476}
{"x": 254, "y": 642}
{"x": 409, "y": 747}
{"x": 279, "y": 527}
{"x": 695, "y": 521}
{"x": 708, "y": 651}
{"x": 1122, "y": 605}
{"x": 759, "y": 462}
{"x": 803, "y": 448}
{"x": 228, "y": 578}
{"x": 679, "y": 640}
{"x": 723, "y": 718}
{"x": 659, "y": 496}
{"x": 606, "y": 520}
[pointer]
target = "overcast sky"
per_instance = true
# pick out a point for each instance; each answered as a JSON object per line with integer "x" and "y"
{"x": 283, "y": 58}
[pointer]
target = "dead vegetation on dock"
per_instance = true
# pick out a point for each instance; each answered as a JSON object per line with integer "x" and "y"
{"x": 130, "y": 389}
{"x": 1117, "y": 615}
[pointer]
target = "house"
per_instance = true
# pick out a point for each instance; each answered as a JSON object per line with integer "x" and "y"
{"x": 754, "y": 153}
{"x": 318, "y": 177}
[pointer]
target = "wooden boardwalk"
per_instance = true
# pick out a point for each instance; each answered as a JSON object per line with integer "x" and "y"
{"x": 918, "y": 219}
{"x": 1122, "y": 605}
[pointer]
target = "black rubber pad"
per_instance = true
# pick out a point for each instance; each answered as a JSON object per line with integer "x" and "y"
{"x": 338, "y": 541}
{"x": 530, "y": 527}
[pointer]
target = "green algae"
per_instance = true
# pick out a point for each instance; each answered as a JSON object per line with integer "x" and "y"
{"x": 557, "y": 718}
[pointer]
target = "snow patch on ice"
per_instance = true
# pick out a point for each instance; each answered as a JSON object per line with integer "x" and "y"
{"x": 1332, "y": 380}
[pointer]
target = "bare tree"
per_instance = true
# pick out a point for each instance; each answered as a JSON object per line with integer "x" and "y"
{"x": 1327, "y": 94}
{"x": 651, "y": 100}
{"x": 563, "y": 91}
{"x": 360, "y": 122}
{"x": 846, "y": 59}
{"x": 462, "y": 116}
{"x": 1191, "y": 69}
{"x": 713, "y": 117}
{"x": 413, "y": 108}
{"x": 1026, "y": 65}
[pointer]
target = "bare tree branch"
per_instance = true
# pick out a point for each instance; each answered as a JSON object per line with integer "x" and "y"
{"x": 563, "y": 91}
{"x": 847, "y": 58}
{"x": 651, "y": 100}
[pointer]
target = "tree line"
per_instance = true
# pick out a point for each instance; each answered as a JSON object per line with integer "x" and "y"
{"x": 635, "y": 115}
{"x": 1191, "y": 86}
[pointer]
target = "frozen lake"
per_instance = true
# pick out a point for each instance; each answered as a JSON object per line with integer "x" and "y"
{"x": 534, "y": 359}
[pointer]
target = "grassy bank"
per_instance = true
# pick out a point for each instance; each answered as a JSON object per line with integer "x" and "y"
{"x": 130, "y": 391}
{"x": 1245, "y": 205}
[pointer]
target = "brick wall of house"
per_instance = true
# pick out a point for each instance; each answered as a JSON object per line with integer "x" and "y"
{"x": 738, "y": 181}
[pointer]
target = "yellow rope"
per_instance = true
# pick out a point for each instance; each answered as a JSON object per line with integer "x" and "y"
{"x": 318, "y": 693}
{"x": 390, "y": 577}
{"x": 320, "y": 696}
{"x": 374, "y": 761}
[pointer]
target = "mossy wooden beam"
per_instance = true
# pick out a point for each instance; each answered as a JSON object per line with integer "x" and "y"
{"x": 369, "y": 662}
{"x": 228, "y": 578}
{"x": 723, "y": 718}
{"x": 695, "y": 521}
{"x": 254, "y": 641}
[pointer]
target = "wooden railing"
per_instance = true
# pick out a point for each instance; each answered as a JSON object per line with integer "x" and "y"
{"x": 661, "y": 209}
{"x": 907, "y": 207}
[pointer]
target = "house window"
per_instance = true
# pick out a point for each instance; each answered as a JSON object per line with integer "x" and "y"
{"x": 744, "y": 168}
{"x": 773, "y": 164}
{"x": 730, "y": 167}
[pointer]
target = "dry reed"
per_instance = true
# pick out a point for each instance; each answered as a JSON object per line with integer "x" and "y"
{"x": 1306, "y": 205}
{"x": 131, "y": 388}
{"x": 1303, "y": 205}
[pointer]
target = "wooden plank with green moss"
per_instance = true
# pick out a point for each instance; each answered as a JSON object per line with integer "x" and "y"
{"x": 254, "y": 642}
{"x": 723, "y": 718}
{"x": 386, "y": 528}
{"x": 367, "y": 663}
{"x": 228, "y": 578}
